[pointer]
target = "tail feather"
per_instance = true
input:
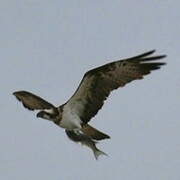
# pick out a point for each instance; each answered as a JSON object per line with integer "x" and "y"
{"x": 94, "y": 133}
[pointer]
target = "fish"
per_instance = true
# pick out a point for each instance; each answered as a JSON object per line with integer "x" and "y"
{"x": 79, "y": 137}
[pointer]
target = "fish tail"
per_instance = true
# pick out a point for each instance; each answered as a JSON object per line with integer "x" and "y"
{"x": 92, "y": 145}
{"x": 85, "y": 140}
{"x": 97, "y": 152}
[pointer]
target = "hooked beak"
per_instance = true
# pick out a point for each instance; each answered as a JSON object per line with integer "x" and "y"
{"x": 40, "y": 114}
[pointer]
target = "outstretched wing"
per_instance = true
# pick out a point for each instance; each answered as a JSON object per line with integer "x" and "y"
{"x": 97, "y": 83}
{"x": 31, "y": 101}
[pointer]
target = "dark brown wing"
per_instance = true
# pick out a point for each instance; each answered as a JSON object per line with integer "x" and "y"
{"x": 31, "y": 101}
{"x": 97, "y": 83}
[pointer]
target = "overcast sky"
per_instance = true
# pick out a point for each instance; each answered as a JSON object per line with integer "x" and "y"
{"x": 47, "y": 46}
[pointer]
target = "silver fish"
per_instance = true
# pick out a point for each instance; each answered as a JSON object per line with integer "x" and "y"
{"x": 79, "y": 137}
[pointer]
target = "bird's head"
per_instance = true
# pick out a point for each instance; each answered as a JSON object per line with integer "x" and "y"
{"x": 49, "y": 114}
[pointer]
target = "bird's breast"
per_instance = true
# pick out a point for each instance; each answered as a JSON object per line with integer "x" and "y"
{"x": 70, "y": 120}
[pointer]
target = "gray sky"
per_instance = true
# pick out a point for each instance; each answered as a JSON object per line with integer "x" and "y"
{"x": 47, "y": 46}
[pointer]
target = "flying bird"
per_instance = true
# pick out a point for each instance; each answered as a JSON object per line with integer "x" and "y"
{"x": 88, "y": 99}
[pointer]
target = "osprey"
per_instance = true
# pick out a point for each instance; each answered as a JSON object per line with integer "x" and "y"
{"x": 88, "y": 99}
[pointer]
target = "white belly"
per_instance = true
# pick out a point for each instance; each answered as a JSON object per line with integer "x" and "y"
{"x": 70, "y": 120}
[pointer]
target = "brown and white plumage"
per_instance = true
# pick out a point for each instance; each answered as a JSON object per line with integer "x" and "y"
{"x": 97, "y": 83}
{"x": 89, "y": 97}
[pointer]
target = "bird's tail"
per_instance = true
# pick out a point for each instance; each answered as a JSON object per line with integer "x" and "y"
{"x": 94, "y": 133}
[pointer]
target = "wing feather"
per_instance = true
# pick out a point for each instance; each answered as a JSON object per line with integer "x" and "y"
{"x": 31, "y": 101}
{"x": 97, "y": 83}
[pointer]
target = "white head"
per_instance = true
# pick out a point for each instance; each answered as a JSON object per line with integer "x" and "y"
{"x": 49, "y": 114}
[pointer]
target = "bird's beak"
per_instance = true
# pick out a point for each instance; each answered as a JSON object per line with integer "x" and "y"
{"x": 39, "y": 114}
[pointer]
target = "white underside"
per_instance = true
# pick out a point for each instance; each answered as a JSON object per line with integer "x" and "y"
{"x": 70, "y": 120}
